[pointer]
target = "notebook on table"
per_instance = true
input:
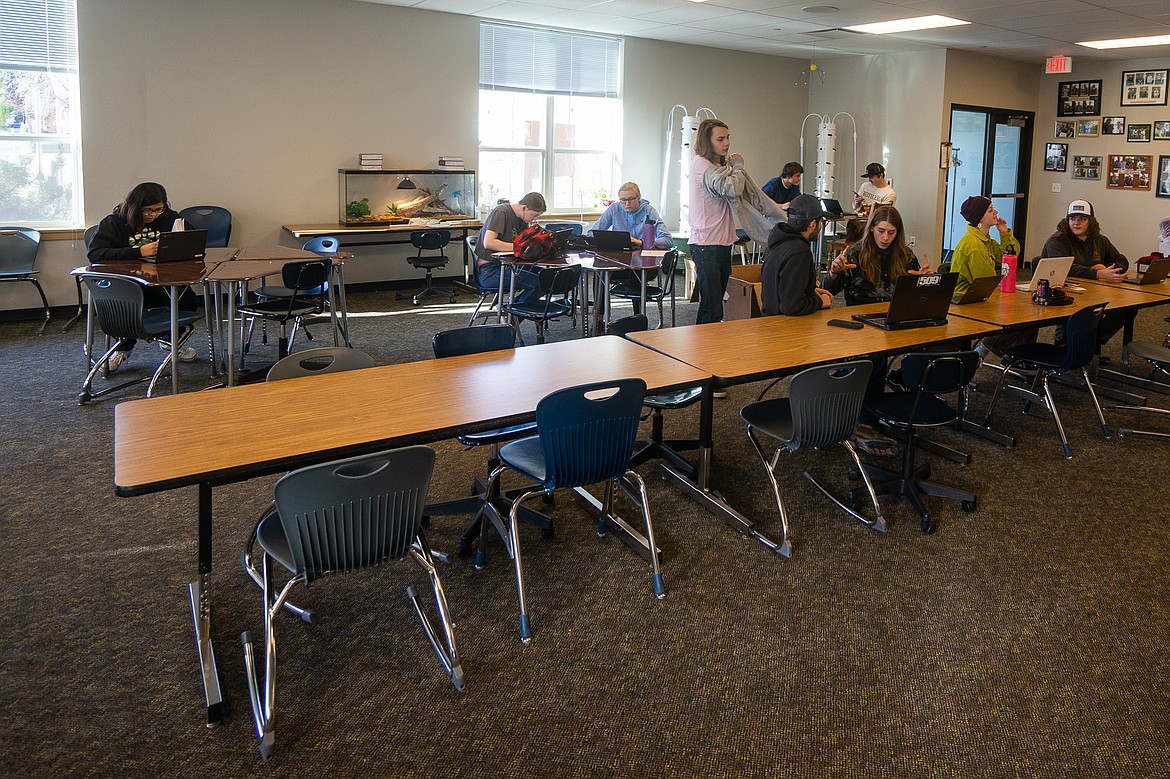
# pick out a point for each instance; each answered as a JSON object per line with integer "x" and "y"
{"x": 979, "y": 291}
{"x": 1055, "y": 269}
{"x": 1155, "y": 273}
{"x": 612, "y": 241}
{"x": 180, "y": 246}
{"x": 834, "y": 208}
{"x": 918, "y": 301}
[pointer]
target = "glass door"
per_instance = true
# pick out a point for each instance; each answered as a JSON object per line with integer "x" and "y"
{"x": 991, "y": 149}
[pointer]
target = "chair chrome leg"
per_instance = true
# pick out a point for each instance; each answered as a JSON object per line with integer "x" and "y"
{"x": 264, "y": 702}
{"x": 1096, "y": 403}
{"x": 514, "y": 531}
{"x": 247, "y": 559}
{"x": 447, "y": 653}
{"x": 1051, "y": 404}
{"x": 659, "y": 582}
{"x": 785, "y": 547}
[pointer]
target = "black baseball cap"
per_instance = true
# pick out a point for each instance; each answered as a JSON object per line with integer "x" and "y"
{"x": 806, "y": 207}
{"x": 873, "y": 169}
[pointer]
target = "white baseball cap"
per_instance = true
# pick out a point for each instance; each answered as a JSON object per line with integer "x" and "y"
{"x": 1080, "y": 208}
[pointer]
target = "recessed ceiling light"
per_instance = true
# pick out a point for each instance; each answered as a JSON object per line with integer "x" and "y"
{"x": 907, "y": 25}
{"x": 1125, "y": 43}
{"x": 820, "y": 9}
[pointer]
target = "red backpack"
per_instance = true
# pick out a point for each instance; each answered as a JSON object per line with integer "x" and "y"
{"x": 535, "y": 243}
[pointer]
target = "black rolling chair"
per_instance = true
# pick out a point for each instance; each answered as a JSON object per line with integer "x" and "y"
{"x": 630, "y": 287}
{"x": 926, "y": 376}
{"x": 19, "y": 247}
{"x": 487, "y": 505}
{"x": 822, "y": 409}
{"x": 344, "y": 517}
{"x": 429, "y": 241}
{"x": 306, "y": 282}
{"x": 1049, "y": 360}
{"x": 657, "y": 447}
{"x": 122, "y": 314}
{"x": 216, "y": 220}
{"x": 586, "y": 436}
{"x": 553, "y": 301}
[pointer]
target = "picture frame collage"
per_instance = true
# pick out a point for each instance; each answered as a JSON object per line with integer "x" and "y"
{"x": 1078, "y": 112}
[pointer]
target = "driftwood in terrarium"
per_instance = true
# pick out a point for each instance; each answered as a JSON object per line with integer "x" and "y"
{"x": 424, "y": 204}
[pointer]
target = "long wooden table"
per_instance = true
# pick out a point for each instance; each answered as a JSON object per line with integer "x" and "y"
{"x": 747, "y": 350}
{"x": 321, "y": 418}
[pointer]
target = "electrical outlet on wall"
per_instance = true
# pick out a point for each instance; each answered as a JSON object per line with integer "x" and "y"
{"x": 910, "y": 241}
{"x": 1056, "y": 187}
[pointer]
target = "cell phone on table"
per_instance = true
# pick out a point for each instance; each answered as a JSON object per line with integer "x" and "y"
{"x": 847, "y": 324}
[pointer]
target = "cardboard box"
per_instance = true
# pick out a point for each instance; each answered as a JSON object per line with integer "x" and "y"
{"x": 689, "y": 290}
{"x": 743, "y": 291}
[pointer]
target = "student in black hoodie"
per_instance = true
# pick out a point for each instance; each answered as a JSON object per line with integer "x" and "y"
{"x": 131, "y": 233}
{"x": 789, "y": 276}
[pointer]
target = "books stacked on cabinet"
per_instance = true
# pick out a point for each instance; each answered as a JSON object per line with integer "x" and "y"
{"x": 368, "y": 161}
{"x": 451, "y": 163}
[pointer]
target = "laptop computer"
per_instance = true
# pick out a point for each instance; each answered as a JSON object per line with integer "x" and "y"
{"x": 180, "y": 247}
{"x": 1055, "y": 269}
{"x": 918, "y": 301}
{"x": 612, "y": 241}
{"x": 1155, "y": 273}
{"x": 979, "y": 291}
{"x": 834, "y": 207}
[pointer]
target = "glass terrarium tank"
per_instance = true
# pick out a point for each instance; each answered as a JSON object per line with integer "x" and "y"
{"x": 388, "y": 197}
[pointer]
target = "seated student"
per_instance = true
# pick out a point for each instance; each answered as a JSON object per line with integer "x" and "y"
{"x": 1094, "y": 257}
{"x": 784, "y": 188}
{"x": 630, "y": 213}
{"x": 876, "y": 191}
{"x": 503, "y": 224}
{"x": 130, "y": 233}
{"x": 1164, "y": 236}
{"x": 867, "y": 270}
{"x": 789, "y": 279}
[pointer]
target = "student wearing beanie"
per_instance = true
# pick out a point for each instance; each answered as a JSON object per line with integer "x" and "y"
{"x": 977, "y": 255}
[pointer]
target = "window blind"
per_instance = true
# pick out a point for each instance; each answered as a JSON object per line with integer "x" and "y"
{"x": 38, "y": 35}
{"x": 530, "y": 59}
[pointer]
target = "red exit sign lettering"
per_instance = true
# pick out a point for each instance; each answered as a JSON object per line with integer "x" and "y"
{"x": 1058, "y": 65}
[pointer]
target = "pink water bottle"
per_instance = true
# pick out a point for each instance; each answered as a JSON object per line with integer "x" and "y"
{"x": 648, "y": 235}
{"x": 1007, "y": 282}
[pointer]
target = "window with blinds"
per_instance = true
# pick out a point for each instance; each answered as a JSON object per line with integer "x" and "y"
{"x": 40, "y": 135}
{"x": 550, "y": 116}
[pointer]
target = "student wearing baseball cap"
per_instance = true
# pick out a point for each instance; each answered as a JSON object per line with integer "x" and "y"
{"x": 876, "y": 191}
{"x": 789, "y": 278}
{"x": 1079, "y": 235}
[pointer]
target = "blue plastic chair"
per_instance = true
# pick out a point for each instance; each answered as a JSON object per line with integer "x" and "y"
{"x": 216, "y": 220}
{"x": 338, "y": 518}
{"x": 19, "y": 247}
{"x": 586, "y": 436}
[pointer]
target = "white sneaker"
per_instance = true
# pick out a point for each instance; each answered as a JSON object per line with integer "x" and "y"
{"x": 117, "y": 360}
{"x": 186, "y": 354}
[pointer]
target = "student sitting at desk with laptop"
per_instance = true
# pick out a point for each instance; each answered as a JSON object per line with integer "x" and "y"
{"x": 866, "y": 272}
{"x": 131, "y": 232}
{"x": 630, "y": 214}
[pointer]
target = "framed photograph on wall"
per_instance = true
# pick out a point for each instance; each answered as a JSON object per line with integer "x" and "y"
{"x": 1079, "y": 98}
{"x": 1138, "y": 133}
{"x": 1129, "y": 171}
{"x": 1113, "y": 125}
{"x": 1086, "y": 167}
{"x": 1143, "y": 87}
{"x": 1065, "y": 129}
{"x": 1162, "y": 131}
{"x": 1163, "y": 177}
{"x": 1056, "y": 157}
{"x": 1088, "y": 128}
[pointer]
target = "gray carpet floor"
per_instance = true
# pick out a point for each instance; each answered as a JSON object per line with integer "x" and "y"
{"x": 1026, "y": 639}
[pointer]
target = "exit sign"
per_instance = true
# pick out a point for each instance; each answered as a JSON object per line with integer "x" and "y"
{"x": 1058, "y": 65}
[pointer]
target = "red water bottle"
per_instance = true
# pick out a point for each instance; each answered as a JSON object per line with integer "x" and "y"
{"x": 1007, "y": 282}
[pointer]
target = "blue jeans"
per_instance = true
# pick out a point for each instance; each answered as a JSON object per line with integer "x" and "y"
{"x": 527, "y": 282}
{"x": 712, "y": 269}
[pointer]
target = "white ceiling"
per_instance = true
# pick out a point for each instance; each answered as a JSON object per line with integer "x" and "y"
{"x": 1027, "y": 30}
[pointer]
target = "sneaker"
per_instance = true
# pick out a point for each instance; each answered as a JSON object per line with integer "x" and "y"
{"x": 186, "y": 354}
{"x": 117, "y": 360}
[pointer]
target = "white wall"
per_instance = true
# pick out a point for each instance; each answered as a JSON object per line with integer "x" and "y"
{"x": 254, "y": 106}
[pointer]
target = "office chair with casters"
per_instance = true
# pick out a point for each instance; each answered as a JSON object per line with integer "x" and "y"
{"x": 926, "y": 376}
{"x": 486, "y": 506}
{"x": 657, "y": 446}
{"x": 490, "y": 295}
{"x": 586, "y": 435}
{"x": 19, "y": 247}
{"x": 822, "y": 409}
{"x": 429, "y": 241}
{"x": 1048, "y": 360}
{"x": 122, "y": 315}
{"x": 630, "y": 287}
{"x": 336, "y": 518}
{"x": 306, "y": 280}
{"x": 553, "y": 301}
{"x": 575, "y": 227}
{"x": 216, "y": 220}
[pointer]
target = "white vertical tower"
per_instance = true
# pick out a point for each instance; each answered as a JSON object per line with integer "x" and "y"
{"x": 688, "y": 125}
